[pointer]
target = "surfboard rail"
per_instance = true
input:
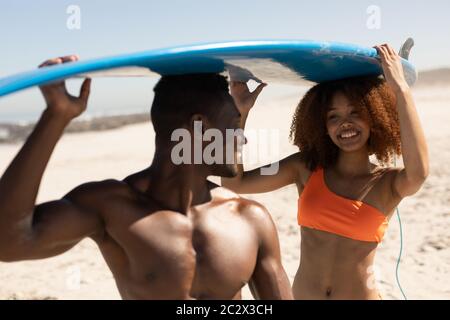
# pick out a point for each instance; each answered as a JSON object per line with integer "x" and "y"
{"x": 287, "y": 61}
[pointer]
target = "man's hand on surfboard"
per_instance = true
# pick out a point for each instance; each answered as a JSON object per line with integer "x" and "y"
{"x": 392, "y": 67}
{"x": 59, "y": 101}
{"x": 243, "y": 98}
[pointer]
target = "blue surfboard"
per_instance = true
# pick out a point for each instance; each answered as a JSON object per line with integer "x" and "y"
{"x": 284, "y": 61}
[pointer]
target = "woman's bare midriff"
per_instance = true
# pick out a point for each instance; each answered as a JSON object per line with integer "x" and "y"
{"x": 333, "y": 267}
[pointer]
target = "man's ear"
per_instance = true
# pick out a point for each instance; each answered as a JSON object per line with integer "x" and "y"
{"x": 196, "y": 117}
{"x": 199, "y": 123}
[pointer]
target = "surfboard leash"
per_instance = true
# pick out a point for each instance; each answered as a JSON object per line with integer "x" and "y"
{"x": 397, "y": 267}
{"x": 404, "y": 53}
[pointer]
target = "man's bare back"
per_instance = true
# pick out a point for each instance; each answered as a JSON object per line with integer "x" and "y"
{"x": 210, "y": 253}
{"x": 165, "y": 232}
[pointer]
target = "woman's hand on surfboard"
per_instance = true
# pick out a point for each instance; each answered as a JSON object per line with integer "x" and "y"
{"x": 392, "y": 67}
{"x": 243, "y": 98}
{"x": 59, "y": 101}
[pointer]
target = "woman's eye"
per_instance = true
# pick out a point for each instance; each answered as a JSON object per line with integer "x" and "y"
{"x": 331, "y": 117}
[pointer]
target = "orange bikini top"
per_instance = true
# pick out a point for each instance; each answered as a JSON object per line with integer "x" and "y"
{"x": 320, "y": 208}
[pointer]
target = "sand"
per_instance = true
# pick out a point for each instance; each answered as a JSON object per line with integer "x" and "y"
{"x": 81, "y": 273}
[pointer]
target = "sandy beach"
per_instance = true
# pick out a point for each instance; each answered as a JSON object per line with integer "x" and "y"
{"x": 81, "y": 273}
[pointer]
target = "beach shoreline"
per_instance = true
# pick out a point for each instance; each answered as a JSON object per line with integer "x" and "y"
{"x": 14, "y": 132}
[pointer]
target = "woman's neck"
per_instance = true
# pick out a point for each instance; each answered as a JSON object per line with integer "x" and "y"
{"x": 351, "y": 164}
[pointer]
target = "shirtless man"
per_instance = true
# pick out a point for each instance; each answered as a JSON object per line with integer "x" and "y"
{"x": 166, "y": 232}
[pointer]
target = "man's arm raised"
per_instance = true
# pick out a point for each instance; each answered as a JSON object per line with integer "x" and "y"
{"x": 30, "y": 231}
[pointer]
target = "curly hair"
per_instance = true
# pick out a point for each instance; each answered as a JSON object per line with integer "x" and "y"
{"x": 373, "y": 99}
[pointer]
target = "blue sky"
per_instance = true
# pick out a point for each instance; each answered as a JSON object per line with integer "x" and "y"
{"x": 32, "y": 31}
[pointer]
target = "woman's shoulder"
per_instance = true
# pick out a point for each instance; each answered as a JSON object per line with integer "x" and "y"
{"x": 297, "y": 164}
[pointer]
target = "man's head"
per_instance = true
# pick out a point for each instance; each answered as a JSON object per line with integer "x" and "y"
{"x": 198, "y": 104}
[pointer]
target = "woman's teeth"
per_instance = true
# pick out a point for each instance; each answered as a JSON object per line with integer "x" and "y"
{"x": 348, "y": 134}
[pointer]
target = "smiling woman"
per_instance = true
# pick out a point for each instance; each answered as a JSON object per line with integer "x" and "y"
{"x": 344, "y": 200}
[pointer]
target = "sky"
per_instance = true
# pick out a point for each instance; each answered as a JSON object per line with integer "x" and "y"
{"x": 33, "y": 31}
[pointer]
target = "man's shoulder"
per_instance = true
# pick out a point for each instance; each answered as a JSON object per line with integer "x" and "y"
{"x": 94, "y": 191}
{"x": 249, "y": 209}
{"x": 139, "y": 181}
{"x": 106, "y": 185}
